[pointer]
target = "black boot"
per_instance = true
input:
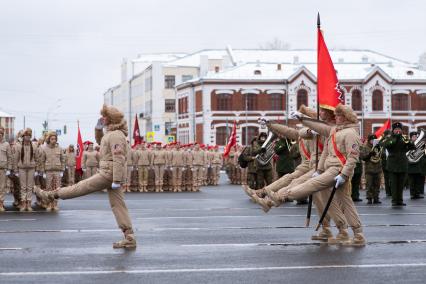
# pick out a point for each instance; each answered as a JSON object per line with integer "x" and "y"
{"x": 369, "y": 201}
{"x": 377, "y": 201}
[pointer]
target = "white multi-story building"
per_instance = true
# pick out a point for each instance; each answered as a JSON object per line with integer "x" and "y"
{"x": 197, "y": 96}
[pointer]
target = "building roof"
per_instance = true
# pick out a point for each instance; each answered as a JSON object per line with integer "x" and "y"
{"x": 144, "y": 60}
{"x": 4, "y": 114}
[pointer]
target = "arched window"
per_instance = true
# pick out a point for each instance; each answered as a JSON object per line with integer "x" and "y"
{"x": 302, "y": 98}
{"x": 224, "y": 101}
{"x": 252, "y": 132}
{"x": 356, "y": 100}
{"x": 222, "y": 135}
{"x": 420, "y": 102}
{"x": 250, "y": 102}
{"x": 400, "y": 102}
{"x": 377, "y": 100}
{"x": 277, "y": 102}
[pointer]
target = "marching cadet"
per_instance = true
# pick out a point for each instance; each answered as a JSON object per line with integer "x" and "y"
{"x": 111, "y": 174}
{"x": 386, "y": 134}
{"x": 144, "y": 160}
{"x": 397, "y": 162}
{"x": 336, "y": 167}
{"x": 52, "y": 163}
{"x": 198, "y": 164}
{"x": 6, "y": 164}
{"x": 159, "y": 162}
{"x": 373, "y": 168}
{"x": 177, "y": 167}
{"x": 70, "y": 164}
{"x": 415, "y": 173}
{"x": 26, "y": 161}
{"x": 90, "y": 161}
{"x": 217, "y": 164}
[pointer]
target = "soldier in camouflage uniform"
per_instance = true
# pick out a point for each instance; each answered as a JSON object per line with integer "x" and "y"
{"x": 415, "y": 173}
{"x": 373, "y": 169}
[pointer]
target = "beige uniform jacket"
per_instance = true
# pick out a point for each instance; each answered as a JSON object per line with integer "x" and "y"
{"x": 178, "y": 158}
{"x": 198, "y": 158}
{"x": 6, "y": 159}
{"x": 70, "y": 159}
{"x": 159, "y": 157}
{"x": 169, "y": 157}
{"x": 143, "y": 157}
{"x": 113, "y": 154}
{"x": 217, "y": 158}
{"x": 90, "y": 159}
{"x": 52, "y": 159}
{"x": 188, "y": 158}
{"x": 26, "y": 162}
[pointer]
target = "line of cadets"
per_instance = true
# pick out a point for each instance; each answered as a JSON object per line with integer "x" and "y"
{"x": 150, "y": 167}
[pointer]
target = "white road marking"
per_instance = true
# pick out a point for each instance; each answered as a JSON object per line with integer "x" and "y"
{"x": 18, "y": 220}
{"x": 207, "y": 270}
{"x": 11, "y": 248}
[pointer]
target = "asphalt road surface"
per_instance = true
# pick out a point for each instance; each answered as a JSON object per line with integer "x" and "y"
{"x": 214, "y": 236}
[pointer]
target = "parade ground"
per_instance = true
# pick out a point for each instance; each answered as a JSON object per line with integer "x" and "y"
{"x": 213, "y": 236}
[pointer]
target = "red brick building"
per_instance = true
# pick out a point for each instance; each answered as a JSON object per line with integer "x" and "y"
{"x": 377, "y": 87}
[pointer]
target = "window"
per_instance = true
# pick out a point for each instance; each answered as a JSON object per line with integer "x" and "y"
{"x": 222, "y": 135}
{"x": 252, "y": 132}
{"x": 421, "y": 103}
{"x": 377, "y": 100}
{"x": 168, "y": 128}
{"x": 169, "y": 81}
{"x": 277, "y": 102}
{"x": 224, "y": 102}
{"x": 186, "y": 78}
{"x": 170, "y": 105}
{"x": 302, "y": 98}
{"x": 400, "y": 102}
{"x": 250, "y": 102}
{"x": 356, "y": 100}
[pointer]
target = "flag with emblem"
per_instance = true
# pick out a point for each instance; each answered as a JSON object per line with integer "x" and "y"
{"x": 136, "y": 133}
{"x": 328, "y": 89}
{"x": 79, "y": 150}
{"x": 232, "y": 141}
{"x": 382, "y": 129}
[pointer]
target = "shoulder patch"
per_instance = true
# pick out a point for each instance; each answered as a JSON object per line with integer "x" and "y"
{"x": 117, "y": 149}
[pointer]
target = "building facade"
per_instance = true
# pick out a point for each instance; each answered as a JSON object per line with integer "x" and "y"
{"x": 8, "y": 122}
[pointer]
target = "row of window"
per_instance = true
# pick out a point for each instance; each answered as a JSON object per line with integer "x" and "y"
{"x": 276, "y": 102}
{"x": 170, "y": 80}
{"x": 248, "y": 133}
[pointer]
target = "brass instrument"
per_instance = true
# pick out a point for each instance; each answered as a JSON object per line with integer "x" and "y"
{"x": 266, "y": 156}
{"x": 376, "y": 153}
{"x": 415, "y": 155}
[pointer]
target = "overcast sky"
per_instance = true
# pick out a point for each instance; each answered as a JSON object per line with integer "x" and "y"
{"x": 59, "y": 56}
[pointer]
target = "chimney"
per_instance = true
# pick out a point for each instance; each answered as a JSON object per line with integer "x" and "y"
{"x": 216, "y": 69}
{"x": 279, "y": 67}
{"x": 204, "y": 65}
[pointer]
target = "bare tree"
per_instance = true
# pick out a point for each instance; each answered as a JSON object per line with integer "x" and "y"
{"x": 422, "y": 61}
{"x": 275, "y": 44}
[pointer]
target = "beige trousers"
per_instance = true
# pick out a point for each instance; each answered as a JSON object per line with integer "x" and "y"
{"x": 287, "y": 179}
{"x": 143, "y": 175}
{"x": 342, "y": 198}
{"x": 26, "y": 178}
{"x": 177, "y": 176}
{"x": 244, "y": 176}
{"x": 98, "y": 183}
{"x": 159, "y": 174}
{"x": 3, "y": 179}
{"x": 197, "y": 176}
{"x": 216, "y": 173}
{"x": 71, "y": 175}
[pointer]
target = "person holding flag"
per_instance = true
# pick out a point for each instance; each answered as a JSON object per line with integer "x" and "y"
{"x": 110, "y": 176}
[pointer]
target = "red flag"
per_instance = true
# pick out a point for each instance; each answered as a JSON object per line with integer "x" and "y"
{"x": 79, "y": 151}
{"x": 382, "y": 129}
{"x": 232, "y": 141}
{"x": 136, "y": 133}
{"x": 328, "y": 92}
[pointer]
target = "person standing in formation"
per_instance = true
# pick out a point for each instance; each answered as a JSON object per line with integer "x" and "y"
{"x": 52, "y": 164}
{"x": 6, "y": 164}
{"x": 198, "y": 163}
{"x": 177, "y": 167}
{"x": 70, "y": 164}
{"x": 90, "y": 161}
{"x": 217, "y": 164}
{"x": 143, "y": 159}
{"x": 111, "y": 174}
{"x": 159, "y": 162}
{"x": 26, "y": 161}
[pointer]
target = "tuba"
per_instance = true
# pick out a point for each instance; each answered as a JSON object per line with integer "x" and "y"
{"x": 415, "y": 155}
{"x": 264, "y": 157}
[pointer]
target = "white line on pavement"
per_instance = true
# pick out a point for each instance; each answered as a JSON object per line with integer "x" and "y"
{"x": 11, "y": 248}
{"x": 18, "y": 220}
{"x": 224, "y": 269}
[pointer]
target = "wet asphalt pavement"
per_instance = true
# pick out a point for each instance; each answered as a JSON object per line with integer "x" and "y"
{"x": 214, "y": 236}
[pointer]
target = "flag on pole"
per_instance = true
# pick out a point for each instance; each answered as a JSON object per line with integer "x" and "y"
{"x": 232, "y": 141}
{"x": 382, "y": 129}
{"x": 328, "y": 91}
{"x": 136, "y": 133}
{"x": 80, "y": 149}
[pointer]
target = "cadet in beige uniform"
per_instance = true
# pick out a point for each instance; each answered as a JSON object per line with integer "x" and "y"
{"x": 6, "y": 164}
{"x": 131, "y": 168}
{"x": 167, "y": 179}
{"x": 177, "y": 165}
{"x": 335, "y": 168}
{"x": 52, "y": 161}
{"x": 111, "y": 174}
{"x": 198, "y": 162}
{"x": 90, "y": 161}
{"x": 216, "y": 165}
{"x": 70, "y": 164}
{"x": 159, "y": 162}
{"x": 143, "y": 159}
{"x": 26, "y": 161}
{"x": 187, "y": 172}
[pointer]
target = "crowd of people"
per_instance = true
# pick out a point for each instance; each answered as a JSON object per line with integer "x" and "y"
{"x": 150, "y": 167}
